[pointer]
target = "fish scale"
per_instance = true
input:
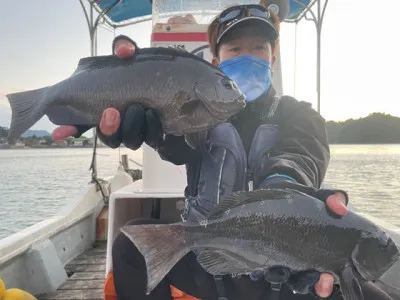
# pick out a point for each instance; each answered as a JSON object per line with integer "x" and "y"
{"x": 268, "y": 230}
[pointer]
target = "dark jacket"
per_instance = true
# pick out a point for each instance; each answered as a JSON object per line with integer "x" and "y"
{"x": 302, "y": 149}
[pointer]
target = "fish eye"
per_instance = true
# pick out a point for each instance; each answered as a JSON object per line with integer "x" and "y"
{"x": 228, "y": 83}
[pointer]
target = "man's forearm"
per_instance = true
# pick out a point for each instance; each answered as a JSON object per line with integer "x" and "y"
{"x": 302, "y": 148}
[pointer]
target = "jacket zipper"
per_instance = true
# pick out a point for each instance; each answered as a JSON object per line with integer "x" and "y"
{"x": 250, "y": 172}
{"x": 249, "y": 179}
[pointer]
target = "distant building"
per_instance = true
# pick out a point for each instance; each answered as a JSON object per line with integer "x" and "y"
{"x": 19, "y": 144}
{"x": 61, "y": 143}
{"x": 78, "y": 142}
{"x": 82, "y": 141}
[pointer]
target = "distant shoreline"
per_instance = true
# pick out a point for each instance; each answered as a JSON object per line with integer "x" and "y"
{"x": 8, "y": 147}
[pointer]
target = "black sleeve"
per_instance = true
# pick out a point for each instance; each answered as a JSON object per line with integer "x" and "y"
{"x": 302, "y": 149}
{"x": 284, "y": 183}
{"x": 175, "y": 150}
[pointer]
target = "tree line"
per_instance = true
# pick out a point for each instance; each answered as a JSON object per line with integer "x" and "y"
{"x": 376, "y": 128}
{"x": 3, "y": 132}
{"x": 42, "y": 138}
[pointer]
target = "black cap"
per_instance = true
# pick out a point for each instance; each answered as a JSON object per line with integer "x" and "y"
{"x": 270, "y": 29}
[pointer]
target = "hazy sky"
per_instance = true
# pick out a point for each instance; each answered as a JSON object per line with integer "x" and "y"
{"x": 43, "y": 40}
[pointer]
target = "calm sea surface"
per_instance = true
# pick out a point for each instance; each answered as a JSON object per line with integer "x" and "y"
{"x": 36, "y": 183}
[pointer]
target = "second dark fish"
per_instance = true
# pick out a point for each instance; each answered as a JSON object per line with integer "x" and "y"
{"x": 262, "y": 229}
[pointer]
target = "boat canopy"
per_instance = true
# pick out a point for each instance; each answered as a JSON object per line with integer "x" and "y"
{"x": 120, "y": 13}
{"x": 126, "y": 12}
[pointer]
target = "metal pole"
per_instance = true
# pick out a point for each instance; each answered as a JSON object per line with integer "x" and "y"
{"x": 92, "y": 31}
{"x": 295, "y": 62}
{"x": 93, "y": 25}
{"x": 319, "y": 57}
{"x": 318, "y": 20}
{"x": 319, "y": 50}
{"x": 92, "y": 28}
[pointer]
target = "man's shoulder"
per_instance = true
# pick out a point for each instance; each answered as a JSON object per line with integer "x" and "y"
{"x": 290, "y": 101}
{"x": 290, "y": 105}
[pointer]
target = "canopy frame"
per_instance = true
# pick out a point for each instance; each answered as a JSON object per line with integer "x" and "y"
{"x": 104, "y": 19}
{"x": 318, "y": 19}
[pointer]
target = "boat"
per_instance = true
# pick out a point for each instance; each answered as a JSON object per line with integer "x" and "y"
{"x": 68, "y": 255}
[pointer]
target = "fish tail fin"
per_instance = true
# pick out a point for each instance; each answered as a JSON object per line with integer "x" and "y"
{"x": 162, "y": 246}
{"x": 25, "y": 111}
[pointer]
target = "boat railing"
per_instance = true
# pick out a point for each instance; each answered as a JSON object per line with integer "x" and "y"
{"x": 46, "y": 247}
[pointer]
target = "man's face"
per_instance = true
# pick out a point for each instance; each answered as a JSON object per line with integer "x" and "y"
{"x": 245, "y": 41}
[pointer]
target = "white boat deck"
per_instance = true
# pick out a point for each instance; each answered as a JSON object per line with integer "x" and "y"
{"x": 85, "y": 276}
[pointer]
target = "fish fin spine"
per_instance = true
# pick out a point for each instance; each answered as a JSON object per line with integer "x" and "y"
{"x": 245, "y": 197}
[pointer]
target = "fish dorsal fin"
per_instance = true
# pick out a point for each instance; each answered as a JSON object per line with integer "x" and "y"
{"x": 108, "y": 61}
{"x": 141, "y": 55}
{"x": 99, "y": 62}
{"x": 246, "y": 197}
{"x": 85, "y": 61}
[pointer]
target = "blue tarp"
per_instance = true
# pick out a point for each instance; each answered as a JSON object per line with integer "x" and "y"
{"x": 297, "y": 9}
{"x": 130, "y": 9}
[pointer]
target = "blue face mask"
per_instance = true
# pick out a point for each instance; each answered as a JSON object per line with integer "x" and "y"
{"x": 251, "y": 74}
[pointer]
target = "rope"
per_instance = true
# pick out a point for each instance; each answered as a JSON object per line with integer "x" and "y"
{"x": 94, "y": 172}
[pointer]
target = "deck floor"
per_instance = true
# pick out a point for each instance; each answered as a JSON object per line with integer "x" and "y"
{"x": 86, "y": 276}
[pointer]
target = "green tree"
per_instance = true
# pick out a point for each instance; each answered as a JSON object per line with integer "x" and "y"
{"x": 48, "y": 140}
{"x": 3, "y": 132}
{"x": 376, "y": 128}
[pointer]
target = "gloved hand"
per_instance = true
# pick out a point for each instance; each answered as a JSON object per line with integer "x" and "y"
{"x": 134, "y": 127}
{"x": 14, "y": 294}
{"x": 336, "y": 201}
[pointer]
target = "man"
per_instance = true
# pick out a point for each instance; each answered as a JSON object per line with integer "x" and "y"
{"x": 281, "y": 140}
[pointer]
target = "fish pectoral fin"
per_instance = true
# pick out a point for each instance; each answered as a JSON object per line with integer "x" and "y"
{"x": 189, "y": 108}
{"x": 221, "y": 262}
{"x": 245, "y": 197}
{"x": 191, "y": 140}
{"x": 349, "y": 285}
{"x": 196, "y": 139}
{"x": 67, "y": 115}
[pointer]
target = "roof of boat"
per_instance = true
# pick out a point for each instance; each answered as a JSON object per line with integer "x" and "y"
{"x": 129, "y": 10}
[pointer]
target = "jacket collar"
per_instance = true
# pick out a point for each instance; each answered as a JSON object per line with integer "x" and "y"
{"x": 263, "y": 101}
{"x": 260, "y": 107}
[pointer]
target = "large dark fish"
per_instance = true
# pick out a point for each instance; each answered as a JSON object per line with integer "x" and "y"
{"x": 262, "y": 229}
{"x": 188, "y": 93}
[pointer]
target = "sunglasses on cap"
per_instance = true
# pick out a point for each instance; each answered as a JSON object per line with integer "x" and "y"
{"x": 234, "y": 12}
